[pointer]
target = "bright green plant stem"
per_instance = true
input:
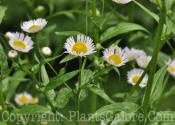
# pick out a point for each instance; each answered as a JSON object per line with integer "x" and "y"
{"x": 87, "y": 8}
{"x": 154, "y": 59}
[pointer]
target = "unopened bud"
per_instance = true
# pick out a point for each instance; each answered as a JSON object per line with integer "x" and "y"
{"x": 12, "y": 54}
{"x": 46, "y": 51}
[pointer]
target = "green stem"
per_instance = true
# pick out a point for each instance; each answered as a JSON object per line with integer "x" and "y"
{"x": 94, "y": 8}
{"x": 154, "y": 59}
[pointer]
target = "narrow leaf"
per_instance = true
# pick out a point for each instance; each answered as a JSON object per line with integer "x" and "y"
{"x": 2, "y": 12}
{"x": 67, "y": 33}
{"x": 59, "y": 80}
{"x": 120, "y": 29}
{"x": 67, "y": 58}
{"x": 101, "y": 93}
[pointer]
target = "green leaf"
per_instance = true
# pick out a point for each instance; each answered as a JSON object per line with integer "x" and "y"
{"x": 169, "y": 92}
{"x": 59, "y": 80}
{"x": 15, "y": 80}
{"x": 120, "y": 29}
{"x": 31, "y": 109}
{"x": 2, "y": 12}
{"x": 44, "y": 75}
{"x": 158, "y": 83}
{"x": 67, "y": 58}
{"x": 156, "y": 17}
{"x": 101, "y": 93}
{"x": 87, "y": 75}
{"x": 3, "y": 123}
{"x": 113, "y": 108}
{"x": 3, "y": 63}
{"x": 63, "y": 97}
{"x": 67, "y": 33}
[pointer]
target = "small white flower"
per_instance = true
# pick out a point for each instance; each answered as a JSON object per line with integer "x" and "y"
{"x": 12, "y": 54}
{"x": 122, "y": 1}
{"x": 33, "y": 26}
{"x": 143, "y": 61}
{"x": 23, "y": 99}
{"x": 133, "y": 53}
{"x": 114, "y": 56}
{"x": 46, "y": 51}
{"x": 0, "y": 108}
{"x": 171, "y": 66}
{"x": 82, "y": 47}
{"x": 21, "y": 43}
{"x": 9, "y": 34}
{"x": 134, "y": 76}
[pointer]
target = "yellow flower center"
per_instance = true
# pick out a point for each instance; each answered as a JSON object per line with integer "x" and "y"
{"x": 19, "y": 43}
{"x": 171, "y": 68}
{"x": 23, "y": 99}
{"x": 34, "y": 27}
{"x": 34, "y": 101}
{"x": 79, "y": 47}
{"x": 115, "y": 58}
{"x": 135, "y": 79}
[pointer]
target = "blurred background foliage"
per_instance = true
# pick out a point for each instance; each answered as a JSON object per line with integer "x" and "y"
{"x": 70, "y": 15}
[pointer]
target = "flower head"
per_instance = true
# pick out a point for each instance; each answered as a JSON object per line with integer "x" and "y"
{"x": 21, "y": 43}
{"x": 23, "y": 99}
{"x": 46, "y": 51}
{"x": 134, "y": 76}
{"x": 171, "y": 66}
{"x": 33, "y": 26}
{"x": 143, "y": 61}
{"x": 114, "y": 56}
{"x": 133, "y": 53}
{"x": 122, "y": 1}
{"x": 12, "y": 54}
{"x": 82, "y": 47}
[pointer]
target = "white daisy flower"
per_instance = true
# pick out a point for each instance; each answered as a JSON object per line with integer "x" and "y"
{"x": 34, "y": 101}
{"x": 82, "y": 47}
{"x": 171, "y": 66}
{"x": 9, "y": 35}
{"x": 114, "y": 56}
{"x": 12, "y": 54}
{"x": 133, "y": 53}
{"x": 33, "y": 26}
{"x": 23, "y": 99}
{"x": 122, "y": 1}
{"x": 46, "y": 51}
{"x": 21, "y": 43}
{"x": 143, "y": 61}
{"x": 134, "y": 76}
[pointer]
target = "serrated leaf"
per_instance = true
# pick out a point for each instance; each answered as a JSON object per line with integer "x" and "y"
{"x": 63, "y": 97}
{"x": 67, "y": 33}
{"x": 2, "y": 12}
{"x": 113, "y": 108}
{"x": 101, "y": 93}
{"x": 87, "y": 75}
{"x": 59, "y": 80}
{"x": 67, "y": 58}
{"x": 44, "y": 75}
{"x": 120, "y": 29}
{"x": 31, "y": 109}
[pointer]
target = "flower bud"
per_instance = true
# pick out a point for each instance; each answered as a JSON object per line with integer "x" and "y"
{"x": 12, "y": 54}
{"x": 46, "y": 51}
{"x": 9, "y": 35}
{"x": 40, "y": 8}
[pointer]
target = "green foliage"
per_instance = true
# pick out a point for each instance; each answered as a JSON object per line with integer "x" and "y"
{"x": 120, "y": 29}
